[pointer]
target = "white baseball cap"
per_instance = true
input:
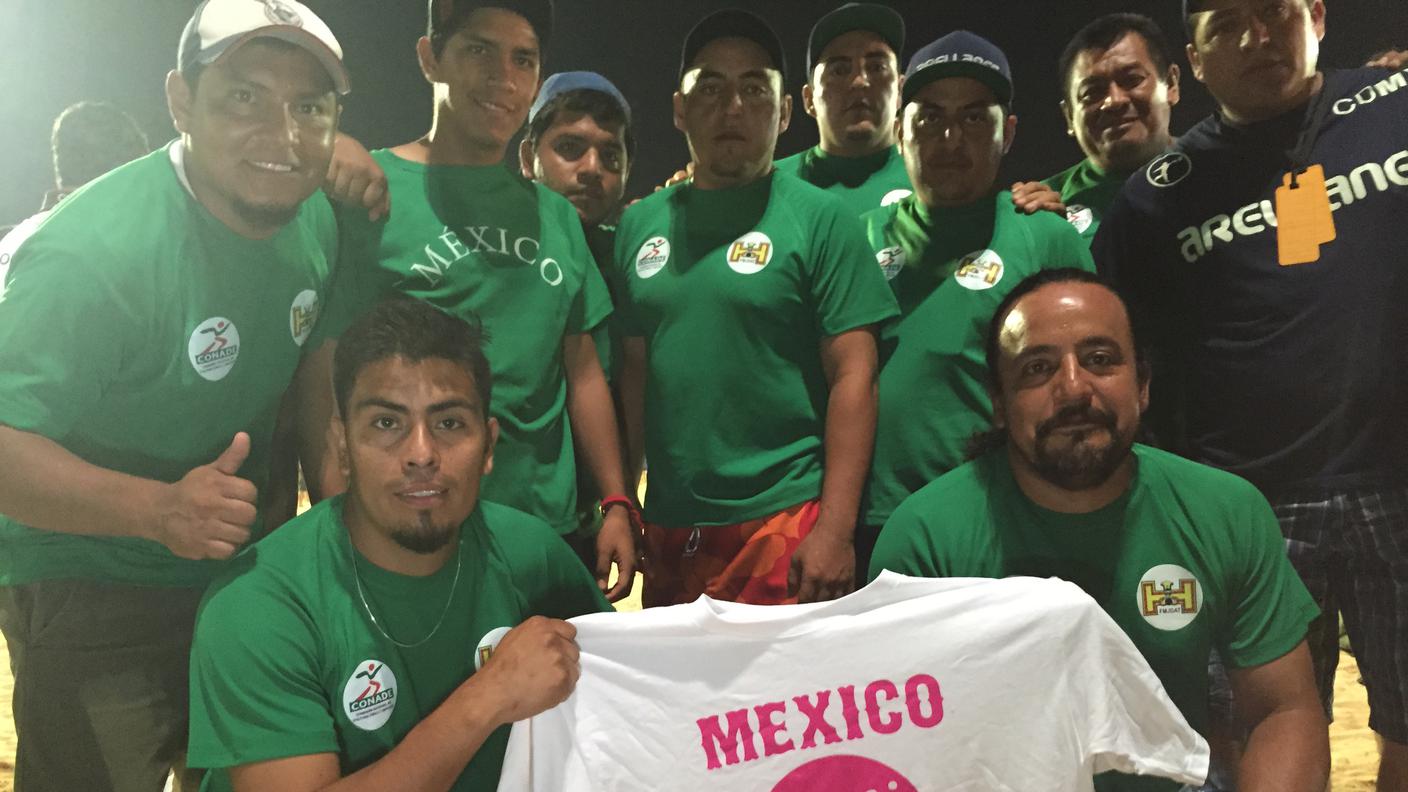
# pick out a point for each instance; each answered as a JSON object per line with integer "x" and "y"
{"x": 218, "y": 26}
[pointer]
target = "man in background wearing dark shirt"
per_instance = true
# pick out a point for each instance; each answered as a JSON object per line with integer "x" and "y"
{"x": 1280, "y": 350}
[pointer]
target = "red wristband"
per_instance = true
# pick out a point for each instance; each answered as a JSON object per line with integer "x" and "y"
{"x": 620, "y": 500}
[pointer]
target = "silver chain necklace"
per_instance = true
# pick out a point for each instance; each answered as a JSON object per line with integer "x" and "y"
{"x": 357, "y": 576}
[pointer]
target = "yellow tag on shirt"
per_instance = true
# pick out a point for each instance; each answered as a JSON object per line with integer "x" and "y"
{"x": 1304, "y": 220}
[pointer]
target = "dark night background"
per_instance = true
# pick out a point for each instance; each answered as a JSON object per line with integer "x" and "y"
{"x": 56, "y": 52}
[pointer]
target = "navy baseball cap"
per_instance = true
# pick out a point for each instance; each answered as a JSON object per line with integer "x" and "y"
{"x": 220, "y": 26}
{"x": 881, "y": 20}
{"x": 444, "y": 16}
{"x": 733, "y": 23}
{"x": 959, "y": 54}
{"x": 563, "y": 82}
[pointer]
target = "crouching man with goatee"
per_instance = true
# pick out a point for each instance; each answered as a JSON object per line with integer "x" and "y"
{"x": 1184, "y": 557}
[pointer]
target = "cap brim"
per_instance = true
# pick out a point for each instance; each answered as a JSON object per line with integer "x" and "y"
{"x": 293, "y": 35}
{"x": 916, "y": 82}
{"x": 881, "y": 20}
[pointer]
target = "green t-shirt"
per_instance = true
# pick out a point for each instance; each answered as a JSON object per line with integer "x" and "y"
{"x": 1189, "y": 559}
{"x": 733, "y": 291}
{"x": 140, "y": 333}
{"x": 949, "y": 268}
{"x": 286, "y": 661}
{"x": 483, "y": 241}
{"x": 1087, "y": 192}
{"x": 601, "y": 240}
{"x": 862, "y": 183}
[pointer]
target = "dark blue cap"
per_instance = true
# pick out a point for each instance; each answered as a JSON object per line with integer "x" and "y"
{"x": 563, "y": 82}
{"x": 959, "y": 54}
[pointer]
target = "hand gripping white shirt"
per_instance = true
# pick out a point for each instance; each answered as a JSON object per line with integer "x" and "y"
{"x": 908, "y": 684}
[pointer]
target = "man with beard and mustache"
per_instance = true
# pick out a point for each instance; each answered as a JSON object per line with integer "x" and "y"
{"x": 469, "y": 236}
{"x": 149, "y": 328}
{"x": 1182, "y": 556}
{"x": 749, "y": 309}
{"x": 852, "y": 91}
{"x": 950, "y": 252}
{"x": 387, "y": 636}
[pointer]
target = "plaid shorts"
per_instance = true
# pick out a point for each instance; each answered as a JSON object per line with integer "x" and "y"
{"x": 1351, "y": 550}
{"x": 744, "y": 562}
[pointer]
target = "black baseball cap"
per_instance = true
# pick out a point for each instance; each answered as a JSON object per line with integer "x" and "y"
{"x": 733, "y": 23}
{"x": 878, "y": 19}
{"x": 959, "y": 54}
{"x": 445, "y": 16}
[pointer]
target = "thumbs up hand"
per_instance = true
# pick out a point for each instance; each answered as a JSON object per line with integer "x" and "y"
{"x": 210, "y": 510}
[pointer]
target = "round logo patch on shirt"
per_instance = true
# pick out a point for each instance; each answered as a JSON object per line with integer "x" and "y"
{"x": 370, "y": 695}
{"x": 302, "y": 315}
{"x": 487, "y": 645}
{"x": 1079, "y": 216}
{"x": 1169, "y": 597}
{"x": 891, "y": 261}
{"x": 653, "y": 256}
{"x": 895, "y": 196}
{"x": 750, "y": 253}
{"x": 213, "y": 348}
{"x": 980, "y": 270}
{"x": 1169, "y": 169}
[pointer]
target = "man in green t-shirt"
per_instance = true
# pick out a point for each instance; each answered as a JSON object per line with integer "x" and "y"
{"x": 1182, "y": 556}
{"x": 1119, "y": 84}
{"x": 148, "y": 331}
{"x": 748, "y": 300}
{"x": 469, "y": 236}
{"x": 388, "y": 636}
{"x": 579, "y": 144}
{"x": 951, "y": 252}
{"x": 852, "y": 91}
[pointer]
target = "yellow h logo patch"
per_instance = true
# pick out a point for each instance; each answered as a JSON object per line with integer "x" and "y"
{"x": 751, "y": 252}
{"x": 1168, "y": 598}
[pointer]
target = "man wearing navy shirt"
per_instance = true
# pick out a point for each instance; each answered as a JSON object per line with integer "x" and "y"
{"x": 1289, "y": 375}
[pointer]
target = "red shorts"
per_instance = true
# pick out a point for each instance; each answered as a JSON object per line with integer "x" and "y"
{"x": 744, "y": 562}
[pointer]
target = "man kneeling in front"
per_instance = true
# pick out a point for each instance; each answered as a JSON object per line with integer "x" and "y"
{"x": 382, "y": 639}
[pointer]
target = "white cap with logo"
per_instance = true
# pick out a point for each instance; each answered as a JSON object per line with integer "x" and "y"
{"x": 218, "y": 26}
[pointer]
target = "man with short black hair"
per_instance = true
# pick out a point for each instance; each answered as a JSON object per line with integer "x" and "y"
{"x": 1118, "y": 85}
{"x": 1182, "y": 556}
{"x": 749, "y": 303}
{"x": 852, "y": 91}
{"x": 88, "y": 140}
{"x": 950, "y": 252}
{"x": 470, "y": 236}
{"x": 1255, "y": 257}
{"x": 385, "y": 638}
{"x": 148, "y": 331}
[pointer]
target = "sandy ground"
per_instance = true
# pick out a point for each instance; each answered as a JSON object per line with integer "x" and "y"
{"x": 1352, "y": 746}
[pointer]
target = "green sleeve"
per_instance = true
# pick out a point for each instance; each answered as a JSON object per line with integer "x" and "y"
{"x": 847, "y": 288}
{"x": 1071, "y": 249}
{"x": 905, "y": 546}
{"x": 67, "y": 323}
{"x": 1270, "y": 607}
{"x": 621, "y": 261}
{"x": 548, "y": 575}
{"x": 353, "y": 288}
{"x": 255, "y": 692}
{"x": 592, "y": 303}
